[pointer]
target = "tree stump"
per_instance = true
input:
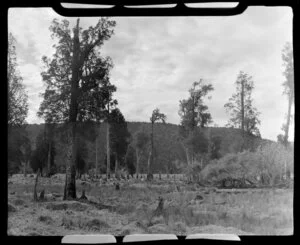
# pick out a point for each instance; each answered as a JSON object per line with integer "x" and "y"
{"x": 83, "y": 196}
{"x": 159, "y": 210}
{"x": 150, "y": 177}
{"x": 42, "y": 195}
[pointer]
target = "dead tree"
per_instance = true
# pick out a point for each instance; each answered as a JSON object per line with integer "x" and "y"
{"x": 35, "y": 197}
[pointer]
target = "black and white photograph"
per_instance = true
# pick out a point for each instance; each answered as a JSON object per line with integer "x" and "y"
{"x": 150, "y": 124}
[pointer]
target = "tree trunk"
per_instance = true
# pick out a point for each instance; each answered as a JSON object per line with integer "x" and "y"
{"x": 287, "y": 127}
{"x": 65, "y": 188}
{"x": 24, "y": 170}
{"x": 71, "y": 151}
{"x": 116, "y": 166}
{"x": 149, "y": 163}
{"x": 186, "y": 150}
{"x": 151, "y": 157}
{"x": 242, "y": 114}
{"x": 187, "y": 156}
{"x": 35, "y": 197}
{"x": 49, "y": 159}
{"x": 137, "y": 164}
{"x": 107, "y": 152}
{"x": 70, "y": 168}
{"x": 96, "y": 164}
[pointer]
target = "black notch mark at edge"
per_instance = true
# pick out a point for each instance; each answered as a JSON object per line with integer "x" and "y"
{"x": 119, "y": 10}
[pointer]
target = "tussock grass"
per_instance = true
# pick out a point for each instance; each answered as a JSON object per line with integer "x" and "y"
{"x": 126, "y": 209}
{"x": 75, "y": 206}
{"x": 89, "y": 224}
{"x": 95, "y": 224}
{"x": 45, "y": 219}
{"x": 11, "y": 208}
{"x": 19, "y": 202}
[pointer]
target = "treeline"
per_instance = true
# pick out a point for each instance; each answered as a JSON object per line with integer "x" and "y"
{"x": 169, "y": 152}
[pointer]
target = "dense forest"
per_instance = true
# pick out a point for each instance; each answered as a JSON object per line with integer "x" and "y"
{"x": 169, "y": 152}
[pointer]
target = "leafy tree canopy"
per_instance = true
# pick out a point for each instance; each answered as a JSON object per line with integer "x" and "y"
{"x": 243, "y": 111}
{"x": 94, "y": 88}
{"x": 193, "y": 111}
{"x": 17, "y": 96}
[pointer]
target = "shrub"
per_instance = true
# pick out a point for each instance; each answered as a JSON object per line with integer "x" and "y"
{"x": 276, "y": 161}
{"x": 267, "y": 165}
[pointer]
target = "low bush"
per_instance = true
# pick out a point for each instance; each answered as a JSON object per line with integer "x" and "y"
{"x": 268, "y": 165}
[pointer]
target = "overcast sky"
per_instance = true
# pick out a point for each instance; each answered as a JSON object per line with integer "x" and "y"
{"x": 156, "y": 60}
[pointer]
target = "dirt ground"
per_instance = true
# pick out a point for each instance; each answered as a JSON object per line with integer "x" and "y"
{"x": 133, "y": 209}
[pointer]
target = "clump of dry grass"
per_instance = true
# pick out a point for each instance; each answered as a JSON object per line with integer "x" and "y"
{"x": 159, "y": 229}
{"x": 11, "y": 208}
{"x": 33, "y": 233}
{"x": 126, "y": 209}
{"x": 45, "y": 219}
{"x": 19, "y": 202}
{"x": 93, "y": 224}
{"x": 75, "y": 206}
{"x": 158, "y": 220}
{"x": 68, "y": 222}
{"x": 57, "y": 206}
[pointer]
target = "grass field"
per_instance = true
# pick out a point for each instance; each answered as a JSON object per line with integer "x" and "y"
{"x": 187, "y": 209}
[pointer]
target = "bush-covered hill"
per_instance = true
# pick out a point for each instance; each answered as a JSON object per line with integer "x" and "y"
{"x": 168, "y": 148}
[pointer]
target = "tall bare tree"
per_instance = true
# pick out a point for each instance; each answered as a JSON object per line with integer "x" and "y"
{"x": 288, "y": 84}
{"x": 156, "y": 116}
{"x": 140, "y": 143}
{"x": 119, "y": 137}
